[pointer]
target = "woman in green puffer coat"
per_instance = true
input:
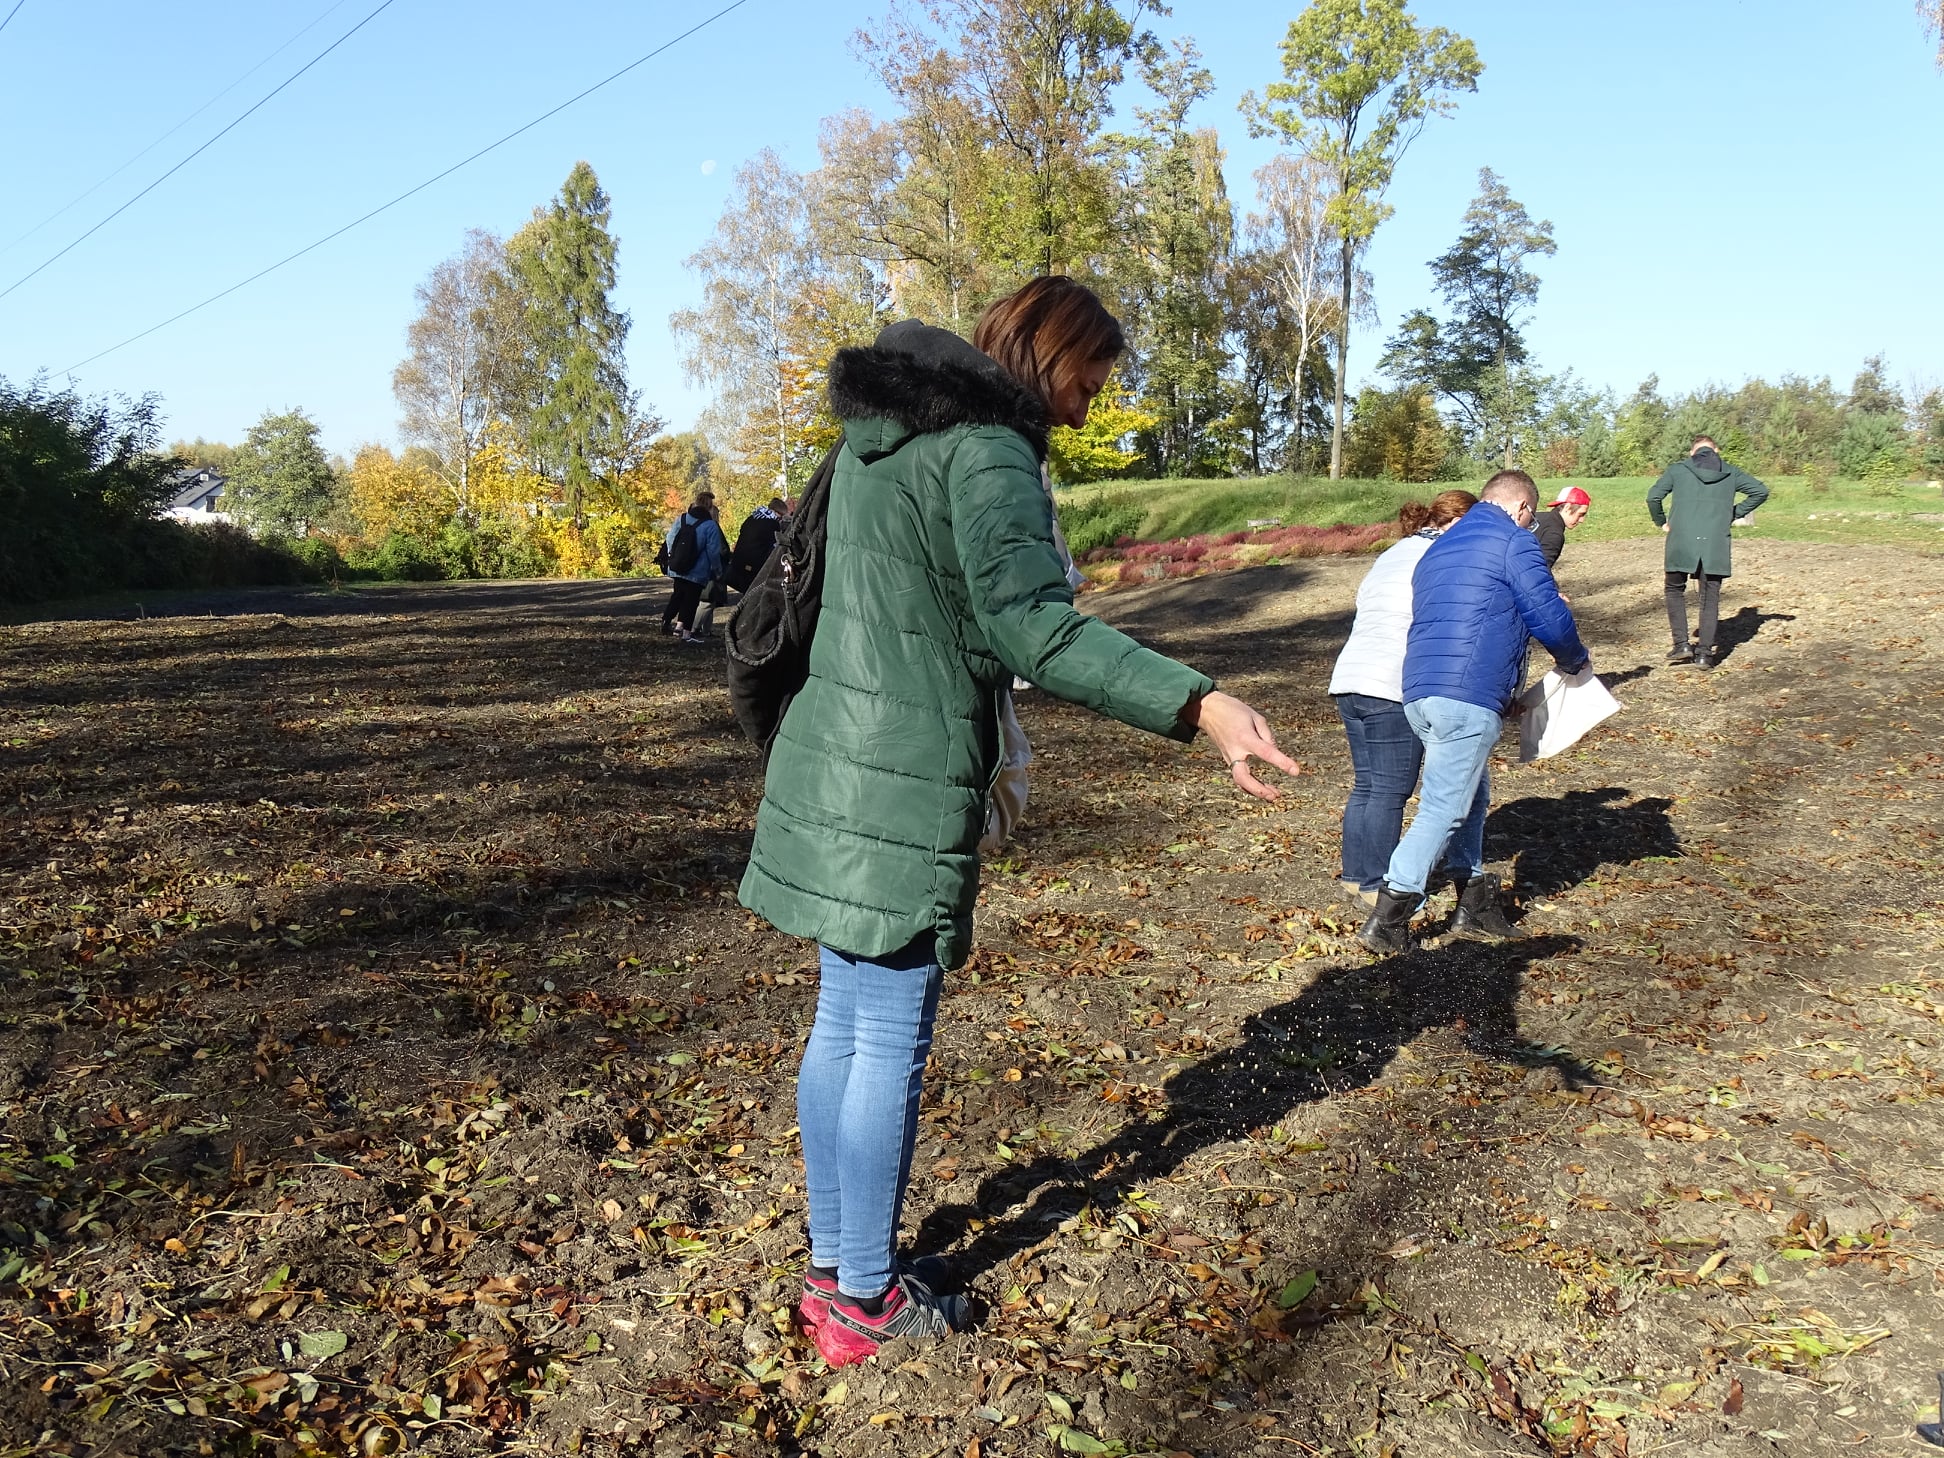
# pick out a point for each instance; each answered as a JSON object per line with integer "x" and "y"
{"x": 941, "y": 583}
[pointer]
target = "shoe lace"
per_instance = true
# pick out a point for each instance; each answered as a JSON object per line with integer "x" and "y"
{"x": 920, "y": 1313}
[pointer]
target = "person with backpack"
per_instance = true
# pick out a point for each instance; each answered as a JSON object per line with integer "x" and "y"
{"x": 755, "y": 540}
{"x": 939, "y": 583}
{"x": 694, "y": 554}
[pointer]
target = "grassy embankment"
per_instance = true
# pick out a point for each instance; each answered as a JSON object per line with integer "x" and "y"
{"x": 1910, "y": 515}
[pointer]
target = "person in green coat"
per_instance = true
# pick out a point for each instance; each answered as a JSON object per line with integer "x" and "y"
{"x": 941, "y": 582}
{"x": 1709, "y": 497}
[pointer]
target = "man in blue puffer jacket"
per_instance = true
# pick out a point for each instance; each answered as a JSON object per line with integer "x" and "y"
{"x": 1480, "y": 591}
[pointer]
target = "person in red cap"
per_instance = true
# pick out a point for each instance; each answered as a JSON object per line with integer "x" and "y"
{"x": 1568, "y": 510}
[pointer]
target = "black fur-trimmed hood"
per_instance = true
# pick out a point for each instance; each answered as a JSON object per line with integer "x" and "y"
{"x": 928, "y": 379}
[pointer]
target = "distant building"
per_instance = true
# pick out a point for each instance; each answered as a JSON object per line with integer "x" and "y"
{"x": 198, "y": 489}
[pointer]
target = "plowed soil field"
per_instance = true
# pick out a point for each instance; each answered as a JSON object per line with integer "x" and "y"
{"x": 385, "y": 1064}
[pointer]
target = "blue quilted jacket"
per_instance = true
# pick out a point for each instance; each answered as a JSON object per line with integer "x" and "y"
{"x": 1476, "y": 596}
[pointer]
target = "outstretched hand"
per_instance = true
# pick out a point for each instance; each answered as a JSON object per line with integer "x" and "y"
{"x": 1240, "y": 734}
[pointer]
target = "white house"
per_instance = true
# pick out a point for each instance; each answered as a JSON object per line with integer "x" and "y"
{"x": 197, "y": 492}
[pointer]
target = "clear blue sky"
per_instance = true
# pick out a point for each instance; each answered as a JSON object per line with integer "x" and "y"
{"x": 1738, "y": 188}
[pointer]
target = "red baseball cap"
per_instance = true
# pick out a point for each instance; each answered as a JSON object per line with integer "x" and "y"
{"x": 1572, "y": 496}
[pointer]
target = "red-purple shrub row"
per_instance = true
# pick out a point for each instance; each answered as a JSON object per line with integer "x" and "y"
{"x": 1192, "y": 556}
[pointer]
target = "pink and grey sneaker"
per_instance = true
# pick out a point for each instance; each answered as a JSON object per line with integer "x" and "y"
{"x": 909, "y": 1309}
{"x": 934, "y": 1273}
{"x": 819, "y": 1290}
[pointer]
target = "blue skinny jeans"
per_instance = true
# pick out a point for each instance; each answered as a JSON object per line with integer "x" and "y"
{"x": 1457, "y": 791}
{"x": 1385, "y": 756}
{"x": 857, "y": 1106}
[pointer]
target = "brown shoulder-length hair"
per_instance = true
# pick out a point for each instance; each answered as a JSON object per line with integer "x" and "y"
{"x": 1044, "y": 334}
{"x": 1440, "y": 511}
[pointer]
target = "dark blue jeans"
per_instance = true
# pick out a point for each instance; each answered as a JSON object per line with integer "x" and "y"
{"x": 1386, "y": 756}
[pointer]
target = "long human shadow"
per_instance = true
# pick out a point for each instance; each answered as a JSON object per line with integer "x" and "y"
{"x": 1731, "y": 632}
{"x": 1339, "y": 1034}
{"x": 1557, "y": 841}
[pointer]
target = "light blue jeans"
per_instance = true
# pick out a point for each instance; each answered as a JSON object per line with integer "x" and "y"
{"x": 857, "y": 1106}
{"x": 1453, "y": 796}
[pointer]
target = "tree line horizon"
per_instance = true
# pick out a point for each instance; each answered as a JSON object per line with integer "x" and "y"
{"x": 528, "y": 452}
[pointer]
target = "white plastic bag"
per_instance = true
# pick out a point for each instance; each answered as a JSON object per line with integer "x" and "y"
{"x": 1008, "y": 802}
{"x": 1559, "y": 710}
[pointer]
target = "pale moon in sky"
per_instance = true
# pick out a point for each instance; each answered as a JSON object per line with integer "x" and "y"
{"x": 708, "y": 167}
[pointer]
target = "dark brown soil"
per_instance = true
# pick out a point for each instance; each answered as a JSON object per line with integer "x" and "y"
{"x": 386, "y": 1064}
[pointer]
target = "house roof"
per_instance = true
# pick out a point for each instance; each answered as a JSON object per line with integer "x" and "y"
{"x": 195, "y": 485}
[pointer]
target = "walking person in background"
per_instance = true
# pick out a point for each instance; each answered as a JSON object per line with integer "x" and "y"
{"x": 693, "y": 555}
{"x": 755, "y": 540}
{"x": 1709, "y": 497}
{"x": 940, "y": 583}
{"x": 1368, "y": 685}
{"x": 715, "y": 592}
{"x": 1480, "y": 591}
{"x": 1567, "y": 511}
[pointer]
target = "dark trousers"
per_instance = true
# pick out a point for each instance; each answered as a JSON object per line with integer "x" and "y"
{"x": 1677, "y": 607}
{"x": 683, "y": 596}
{"x": 1385, "y": 755}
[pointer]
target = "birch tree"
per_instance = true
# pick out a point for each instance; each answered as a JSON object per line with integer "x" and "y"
{"x": 1292, "y": 237}
{"x": 463, "y": 361}
{"x": 1360, "y": 82}
{"x": 756, "y": 270}
{"x": 1008, "y": 169}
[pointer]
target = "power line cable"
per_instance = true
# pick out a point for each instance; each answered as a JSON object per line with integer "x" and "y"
{"x": 411, "y": 191}
{"x": 383, "y": 5}
{"x": 76, "y": 201}
{"x": 11, "y": 14}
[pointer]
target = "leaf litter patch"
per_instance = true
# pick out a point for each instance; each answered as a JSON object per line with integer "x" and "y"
{"x": 387, "y": 1067}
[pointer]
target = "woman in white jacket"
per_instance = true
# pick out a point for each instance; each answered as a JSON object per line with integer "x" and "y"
{"x": 1368, "y": 686}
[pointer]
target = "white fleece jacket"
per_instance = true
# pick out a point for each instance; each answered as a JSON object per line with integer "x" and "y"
{"x": 1372, "y": 662}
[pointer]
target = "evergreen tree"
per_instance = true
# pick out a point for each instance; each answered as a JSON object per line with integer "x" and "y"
{"x": 1599, "y": 453}
{"x": 1930, "y": 417}
{"x": 581, "y": 425}
{"x": 1472, "y": 359}
{"x": 1872, "y": 394}
{"x": 1872, "y": 442}
{"x": 1637, "y": 429}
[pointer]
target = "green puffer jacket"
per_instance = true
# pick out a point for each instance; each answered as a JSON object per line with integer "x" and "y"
{"x": 1704, "y": 488}
{"x": 940, "y": 584}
